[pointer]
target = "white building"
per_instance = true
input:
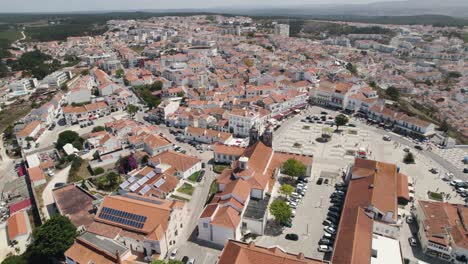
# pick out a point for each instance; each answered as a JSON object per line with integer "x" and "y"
{"x": 282, "y": 30}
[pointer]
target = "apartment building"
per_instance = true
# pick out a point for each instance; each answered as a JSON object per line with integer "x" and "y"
{"x": 75, "y": 114}
{"x": 442, "y": 230}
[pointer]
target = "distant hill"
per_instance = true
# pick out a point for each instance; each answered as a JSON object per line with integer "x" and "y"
{"x": 454, "y": 8}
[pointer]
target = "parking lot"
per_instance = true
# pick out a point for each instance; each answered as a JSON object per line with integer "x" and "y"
{"x": 310, "y": 213}
{"x": 331, "y": 158}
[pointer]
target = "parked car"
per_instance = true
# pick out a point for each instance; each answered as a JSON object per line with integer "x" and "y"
{"x": 412, "y": 241}
{"x": 334, "y": 220}
{"x": 320, "y": 181}
{"x": 434, "y": 170}
{"x": 293, "y": 237}
{"x": 328, "y": 236}
{"x": 325, "y": 241}
{"x": 59, "y": 184}
{"x": 387, "y": 138}
{"x": 191, "y": 261}
{"x": 173, "y": 254}
{"x": 201, "y": 175}
{"x": 409, "y": 219}
{"x": 340, "y": 184}
{"x": 335, "y": 214}
{"x": 418, "y": 147}
{"x": 330, "y": 230}
{"x": 323, "y": 113}
{"x": 339, "y": 192}
{"x": 185, "y": 259}
{"x": 324, "y": 248}
{"x": 325, "y": 181}
{"x": 336, "y": 200}
{"x": 337, "y": 195}
{"x": 335, "y": 209}
{"x": 406, "y": 150}
{"x": 327, "y": 223}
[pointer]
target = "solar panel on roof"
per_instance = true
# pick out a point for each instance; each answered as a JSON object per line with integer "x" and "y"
{"x": 145, "y": 189}
{"x": 159, "y": 183}
{"x": 122, "y": 217}
{"x": 124, "y": 185}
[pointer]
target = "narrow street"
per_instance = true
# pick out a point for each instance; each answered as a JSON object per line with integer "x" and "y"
{"x": 48, "y": 207}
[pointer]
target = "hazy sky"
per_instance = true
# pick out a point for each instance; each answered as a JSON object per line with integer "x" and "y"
{"x": 99, "y": 5}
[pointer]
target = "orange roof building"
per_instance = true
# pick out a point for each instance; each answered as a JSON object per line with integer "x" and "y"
{"x": 372, "y": 197}
{"x": 18, "y": 226}
{"x": 243, "y": 192}
{"x": 143, "y": 225}
{"x": 36, "y": 176}
{"x": 236, "y": 252}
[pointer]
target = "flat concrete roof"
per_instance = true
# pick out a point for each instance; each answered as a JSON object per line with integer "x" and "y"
{"x": 387, "y": 249}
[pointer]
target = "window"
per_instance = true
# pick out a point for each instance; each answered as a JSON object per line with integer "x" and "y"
{"x": 205, "y": 225}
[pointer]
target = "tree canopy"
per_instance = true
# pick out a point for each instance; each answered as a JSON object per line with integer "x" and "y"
{"x": 393, "y": 93}
{"x": 127, "y": 164}
{"x": 341, "y": 120}
{"x": 294, "y": 168}
{"x": 69, "y": 136}
{"x": 52, "y": 238}
{"x": 98, "y": 128}
{"x": 281, "y": 211}
{"x": 286, "y": 189}
{"x": 132, "y": 109}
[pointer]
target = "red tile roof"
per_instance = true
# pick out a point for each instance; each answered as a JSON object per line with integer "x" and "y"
{"x": 236, "y": 252}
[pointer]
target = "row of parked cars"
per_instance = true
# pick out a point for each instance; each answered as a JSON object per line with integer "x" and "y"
{"x": 298, "y": 194}
{"x": 330, "y": 224}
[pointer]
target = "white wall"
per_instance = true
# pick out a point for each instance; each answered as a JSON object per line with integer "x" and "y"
{"x": 255, "y": 226}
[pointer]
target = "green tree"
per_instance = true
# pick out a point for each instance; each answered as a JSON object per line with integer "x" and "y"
{"x": 20, "y": 259}
{"x": 113, "y": 178}
{"x": 454, "y": 75}
{"x": 409, "y": 158}
{"x": 98, "y": 171}
{"x": 69, "y": 136}
{"x": 156, "y": 86}
{"x": 132, "y": 109}
{"x": 351, "y": 68}
{"x": 281, "y": 211}
{"x": 53, "y": 238}
{"x": 98, "y": 129}
{"x": 341, "y": 120}
{"x": 444, "y": 126}
{"x": 119, "y": 73}
{"x": 393, "y": 93}
{"x": 294, "y": 168}
{"x": 286, "y": 189}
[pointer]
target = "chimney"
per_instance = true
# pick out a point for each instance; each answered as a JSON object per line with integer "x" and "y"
{"x": 243, "y": 163}
{"x": 300, "y": 255}
{"x": 117, "y": 255}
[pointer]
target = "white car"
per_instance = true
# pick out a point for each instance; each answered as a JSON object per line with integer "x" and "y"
{"x": 292, "y": 205}
{"x": 327, "y": 235}
{"x": 173, "y": 254}
{"x": 191, "y": 261}
{"x": 329, "y": 230}
{"x": 324, "y": 248}
{"x": 293, "y": 213}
